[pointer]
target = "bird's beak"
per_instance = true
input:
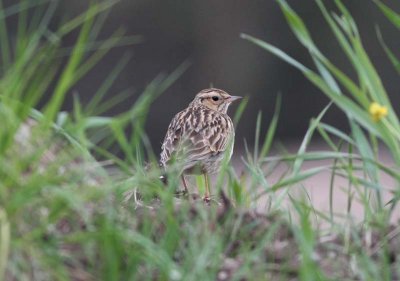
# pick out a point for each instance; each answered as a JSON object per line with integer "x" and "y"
{"x": 233, "y": 98}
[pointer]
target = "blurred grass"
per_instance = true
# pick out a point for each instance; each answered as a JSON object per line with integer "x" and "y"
{"x": 78, "y": 202}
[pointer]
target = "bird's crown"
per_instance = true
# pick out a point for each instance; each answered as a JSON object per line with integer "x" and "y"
{"x": 215, "y": 99}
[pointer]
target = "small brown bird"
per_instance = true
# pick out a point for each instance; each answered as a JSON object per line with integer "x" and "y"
{"x": 198, "y": 136}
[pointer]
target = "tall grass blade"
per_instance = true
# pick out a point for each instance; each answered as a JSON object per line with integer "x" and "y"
{"x": 4, "y": 40}
{"x": 393, "y": 59}
{"x": 271, "y": 130}
{"x": 391, "y": 15}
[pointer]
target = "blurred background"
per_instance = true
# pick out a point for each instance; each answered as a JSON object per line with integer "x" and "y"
{"x": 207, "y": 34}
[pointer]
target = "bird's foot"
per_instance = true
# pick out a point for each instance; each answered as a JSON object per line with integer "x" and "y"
{"x": 187, "y": 195}
{"x": 181, "y": 193}
{"x": 207, "y": 200}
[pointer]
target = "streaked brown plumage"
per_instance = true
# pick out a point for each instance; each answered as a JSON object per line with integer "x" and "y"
{"x": 198, "y": 136}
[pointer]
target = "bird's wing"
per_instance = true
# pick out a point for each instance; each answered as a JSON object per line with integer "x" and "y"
{"x": 213, "y": 133}
{"x": 195, "y": 134}
{"x": 172, "y": 138}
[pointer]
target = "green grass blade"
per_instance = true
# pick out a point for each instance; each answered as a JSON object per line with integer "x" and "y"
{"x": 4, "y": 40}
{"x": 393, "y": 59}
{"x": 85, "y": 16}
{"x": 4, "y": 243}
{"x": 391, "y": 15}
{"x": 240, "y": 110}
{"x": 68, "y": 76}
{"x": 271, "y": 130}
{"x": 307, "y": 138}
{"x": 277, "y": 52}
{"x": 106, "y": 85}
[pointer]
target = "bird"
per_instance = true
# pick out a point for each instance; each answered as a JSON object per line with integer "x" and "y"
{"x": 198, "y": 136}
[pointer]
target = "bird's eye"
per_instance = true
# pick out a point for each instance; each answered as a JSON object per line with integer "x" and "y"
{"x": 215, "y": 98}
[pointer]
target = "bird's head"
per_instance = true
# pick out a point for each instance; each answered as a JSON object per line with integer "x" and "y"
{"x": 214, "y": 99}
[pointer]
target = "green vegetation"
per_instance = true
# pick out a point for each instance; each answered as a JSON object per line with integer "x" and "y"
{"x": 71, "y": 209}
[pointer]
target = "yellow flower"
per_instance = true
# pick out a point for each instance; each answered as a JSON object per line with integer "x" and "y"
{"x": 377, "y": 111}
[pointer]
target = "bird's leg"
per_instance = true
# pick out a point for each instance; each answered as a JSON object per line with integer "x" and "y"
{"x": 207, "y": 193}
{"x": 186, "y": 191}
